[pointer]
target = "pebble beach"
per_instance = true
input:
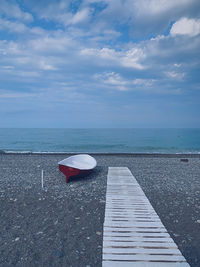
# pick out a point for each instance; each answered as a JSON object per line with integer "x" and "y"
{"x": 62, "y": 224}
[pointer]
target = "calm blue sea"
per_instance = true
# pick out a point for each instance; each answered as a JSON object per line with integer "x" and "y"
{"x": 101, "y": 140}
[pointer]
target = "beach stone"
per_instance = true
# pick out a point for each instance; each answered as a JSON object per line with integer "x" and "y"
{"x": 98, "y": 233}
{"x": 198, "y": 221}
{"x": 58, "y": 253}
{"x": 184, "y": 160}
{"x": 28, "y": 187}
{"x": 39, "y": 233}
{"x": 176, "y": 235}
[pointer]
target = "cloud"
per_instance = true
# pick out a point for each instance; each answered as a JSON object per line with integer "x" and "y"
{"x": 175, "y": 75}
{"x": 159, "y": 7}
{"x": 57, "y": 42}
{"x": 12, "y": 10}
{"x": 185, "y": 26}
{"x": 10, "y": 26}
{"x": 144, "y": 82}
{"x": 18, "y": 27}
{"x": 61, "y": 12}
{"x": 51, "y": 11}
{"x": 132, "y": 58}
{"x": 64, "y": 53}
{"x": 81, "y": 16}
{"x": 145, "y": 17}
{"x": 126, "y": 58}
{"x": 177, "y": 65}
{"x": 44, "y": 65}
{"x": 115, "y": 81}
{"x": 13, "y": 94}
{"x": 7, "y": 67}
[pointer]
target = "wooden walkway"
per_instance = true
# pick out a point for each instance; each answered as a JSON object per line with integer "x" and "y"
{"x": 133, "y": 232}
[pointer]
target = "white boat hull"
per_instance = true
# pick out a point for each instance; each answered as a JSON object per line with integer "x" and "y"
{"x": 80, "y": 165}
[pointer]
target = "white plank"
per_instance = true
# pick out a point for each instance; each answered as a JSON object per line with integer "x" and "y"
{"x": 130, "y": 209}
{"x": 125, "y": 197}
{"x": 138, "y": 239}
{"x": 134, "y": 229}
{"x": 134, "y": 224}
{"x": 149, "y": 251}
{"x": 144, "y": 257}
{"x": 107, "y": 263}
{"x": 138, "y": 244}
{"x": 133, "y": 218}
{"x": 130, "y": 213}
{"x": 136, "y": 234}
{"x": 126, "y": 201}
{"x": 132, "y": 203}
{"x": 148, "y": 213}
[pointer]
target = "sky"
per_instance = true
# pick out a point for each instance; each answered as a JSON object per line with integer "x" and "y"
{"x": 100, "y": 63}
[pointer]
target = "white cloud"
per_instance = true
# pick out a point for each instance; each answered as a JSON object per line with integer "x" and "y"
{"x": 105, "y": 52}
{"x": 61, "y": 13}
{"x": 177, "y": 65}
{"x": 129, "y": 58}
{"x": 144, "y": 82}
{"x": 132, "y": 58}
{"x": 113, "y": 79}
{"x": 186, "y": 26}
{"x": 10, "y": 48}
{"x": 12, "y": 10}
{"x": 81, "y": 16}
{"x": 57, "y": 42}
{"x": 116, "y": 81}
{"x": 158, "y": 7}
{"x": 12, "y": 26}
{"x": 20, "y": 28}
{"x": 6, "y": 94}
{"x": 44, "y": 65}
{"x": 37, "y": 31}
{"x": 7, "y": 67}
{"x": 175, "y": 75}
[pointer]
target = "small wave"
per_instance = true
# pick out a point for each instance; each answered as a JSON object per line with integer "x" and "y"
{"x": 15, "y": 152}
{"x": 99, "y": 152}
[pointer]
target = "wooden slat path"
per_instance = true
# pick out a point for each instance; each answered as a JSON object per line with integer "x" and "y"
{"x": 133, "y": 232}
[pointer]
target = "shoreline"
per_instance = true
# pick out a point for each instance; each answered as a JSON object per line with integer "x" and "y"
{"x": 133, "y": 154}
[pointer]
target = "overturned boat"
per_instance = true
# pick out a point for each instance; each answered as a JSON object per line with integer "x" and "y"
{"x": 78, "y": 165}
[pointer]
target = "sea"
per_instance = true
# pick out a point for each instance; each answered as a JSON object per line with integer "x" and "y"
{"x": 100, "y": 140}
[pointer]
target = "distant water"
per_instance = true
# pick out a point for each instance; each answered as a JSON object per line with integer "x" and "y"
{"x": 101, "y": 140}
